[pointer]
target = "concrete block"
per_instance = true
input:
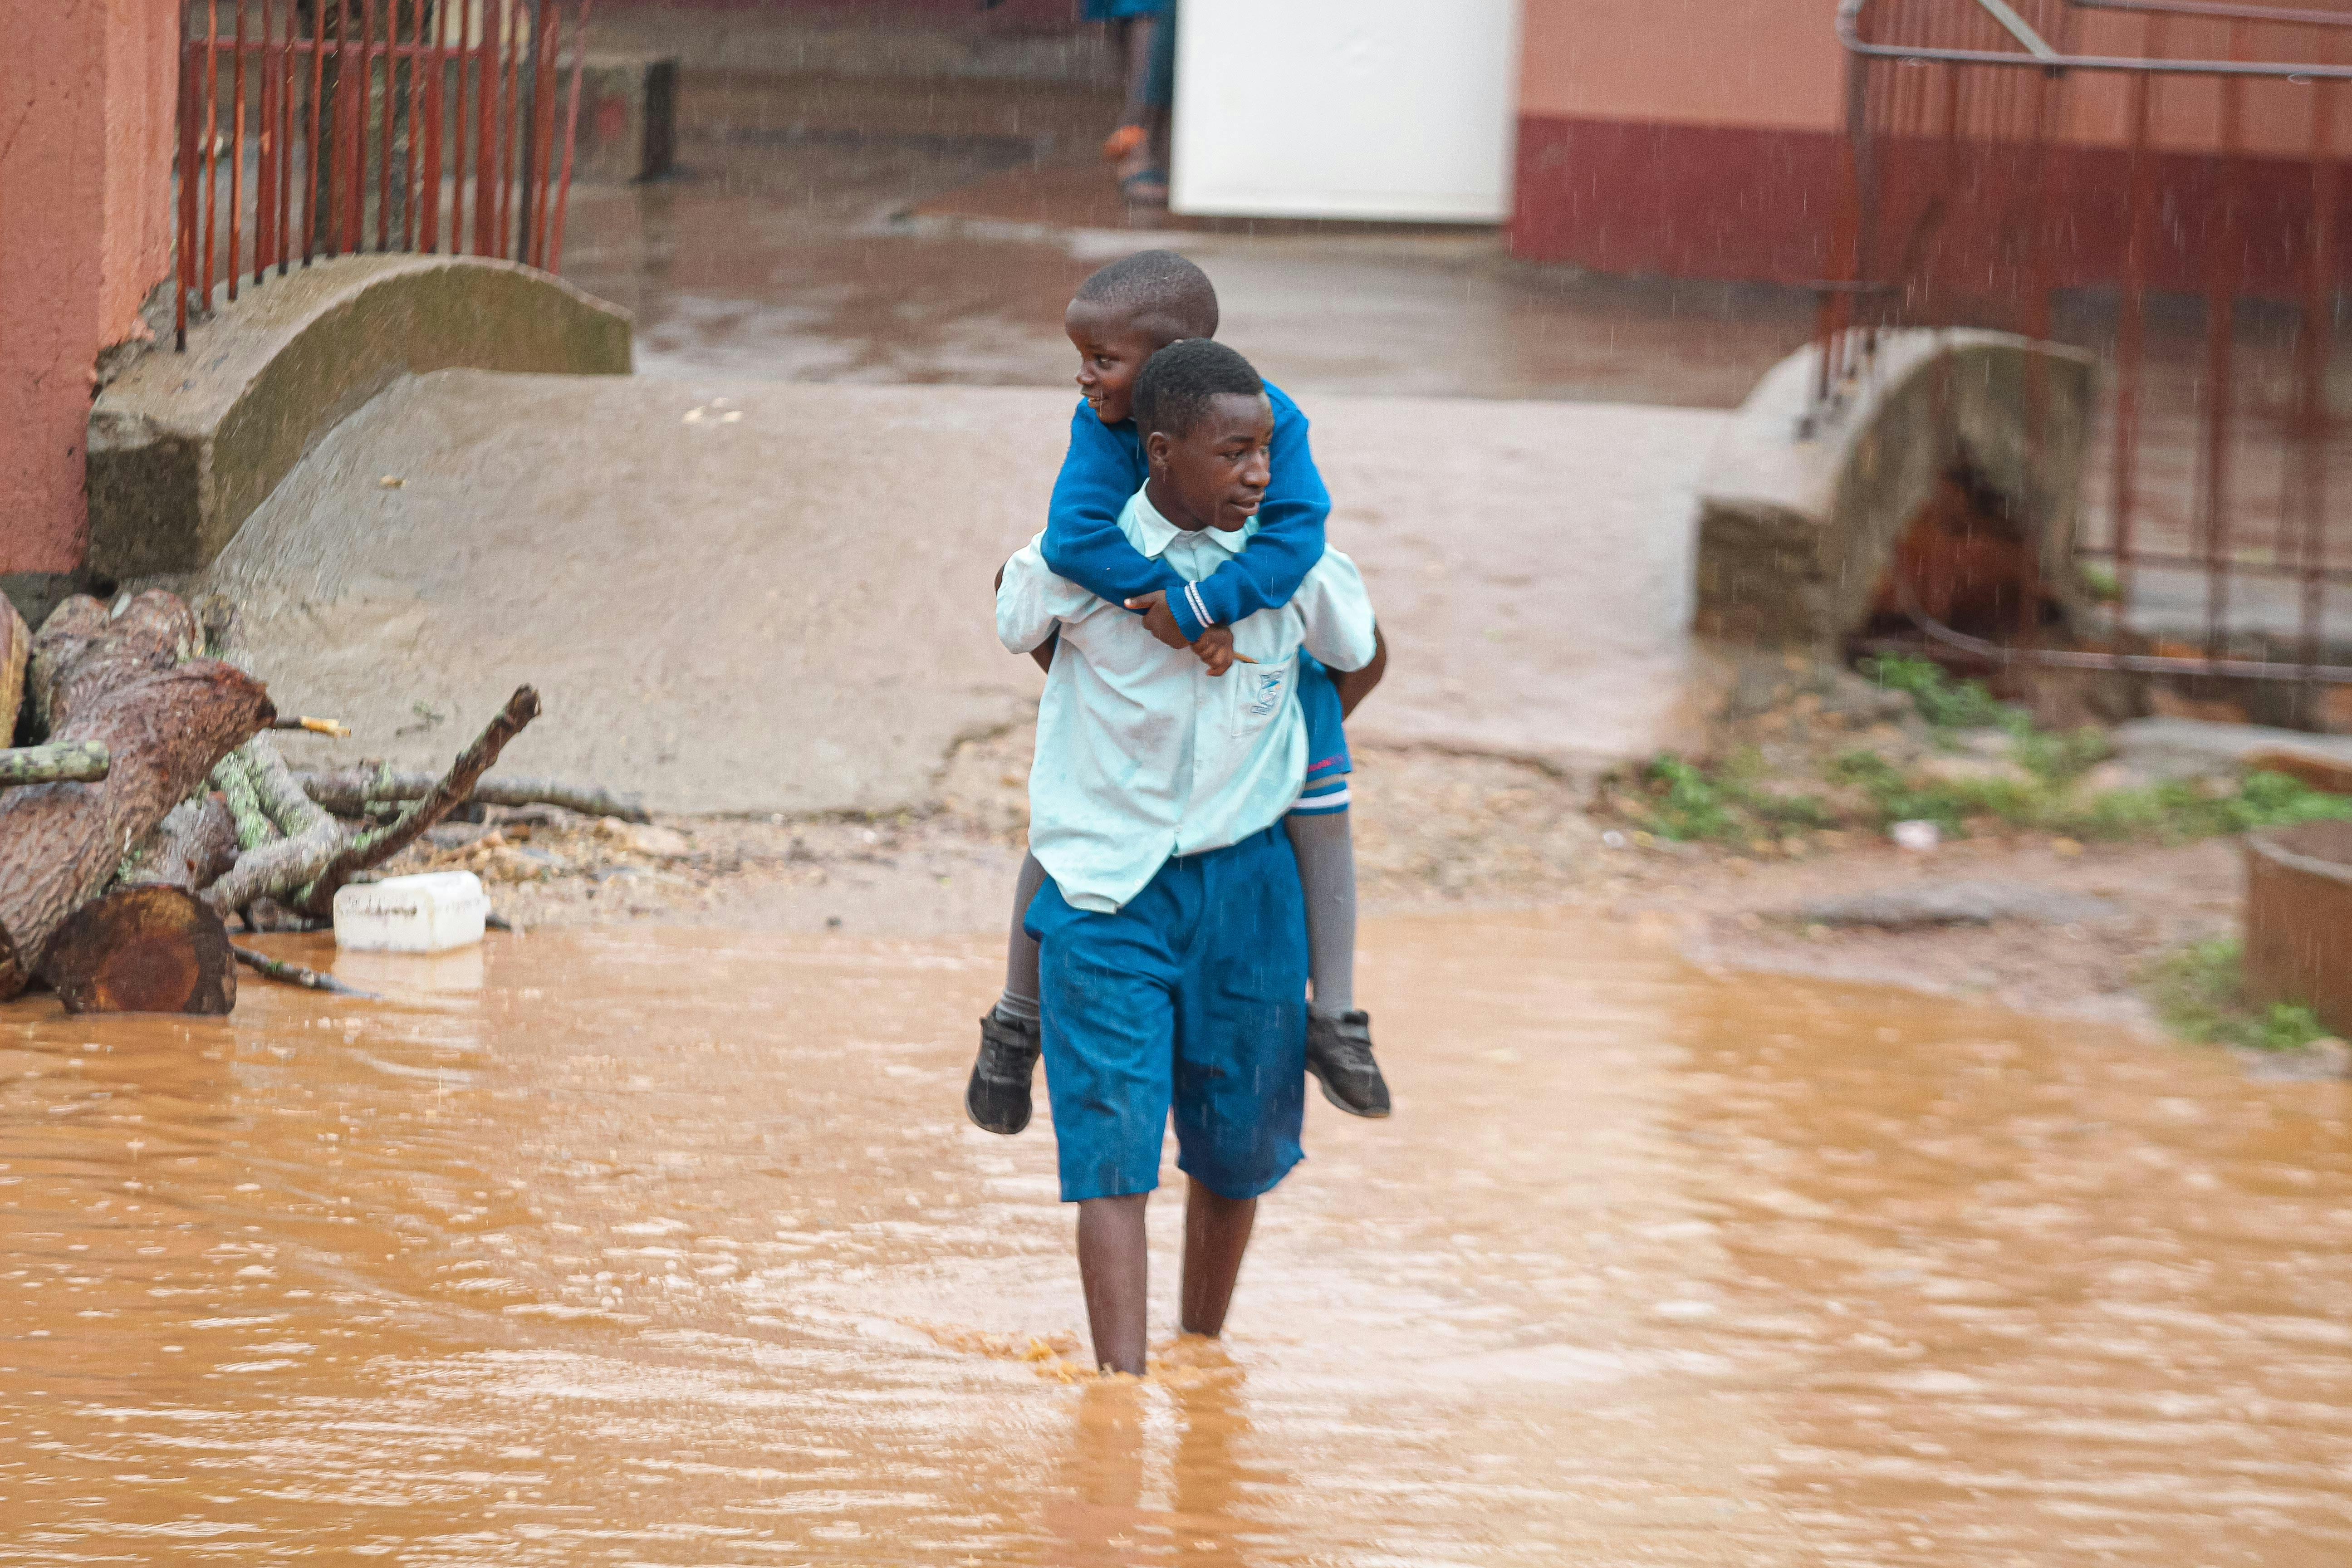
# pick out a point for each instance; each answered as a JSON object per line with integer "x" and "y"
{"x": 182, "y": 446}
{"x": 628, "y": 117}
{"x": 1798, "y": 526}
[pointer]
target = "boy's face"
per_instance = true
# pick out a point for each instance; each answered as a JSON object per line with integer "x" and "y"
{"x": 1216, "y": 473}
{"x": 1112, "y": 345}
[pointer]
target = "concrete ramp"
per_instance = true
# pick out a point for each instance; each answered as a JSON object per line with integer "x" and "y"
{"x": 775, "y": 597}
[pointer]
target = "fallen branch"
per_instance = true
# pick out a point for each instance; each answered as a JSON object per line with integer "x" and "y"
{"x": 253, "y": 827}
{"x": 312, "y": 837}
{"x": 294, "y": 974}
{"x": 334, "y": 727}
{"x": 71, "y": 762}
{"x": 375, "y": 846}
{"x": 194, "y": 843}
{"x": 84, "y": 651}
{"x": 353, "y": 790}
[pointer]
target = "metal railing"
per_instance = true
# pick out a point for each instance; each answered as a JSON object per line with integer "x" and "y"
{"x": 1986, "y": 186}
{"x": 426, "y": 126}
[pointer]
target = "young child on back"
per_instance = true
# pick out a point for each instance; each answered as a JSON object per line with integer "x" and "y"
{"x": 1122, "y": 316}
{"x": 1171, "y": 925}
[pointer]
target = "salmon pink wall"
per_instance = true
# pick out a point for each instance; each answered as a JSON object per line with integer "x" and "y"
{"x": 86, "y": 102}
{"x": 1688, "y": 62}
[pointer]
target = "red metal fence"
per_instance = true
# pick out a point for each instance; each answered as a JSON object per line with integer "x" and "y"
{"x": 327, "y": 128}
{"x": 2159, "y": 182}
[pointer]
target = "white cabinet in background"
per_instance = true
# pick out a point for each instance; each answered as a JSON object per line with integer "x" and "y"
{"x": 1398, "y": 109}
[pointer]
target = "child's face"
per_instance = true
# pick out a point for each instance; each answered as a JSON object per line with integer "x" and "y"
{"x": 1112, "y": 347}
{"x": 1216, "y": 473}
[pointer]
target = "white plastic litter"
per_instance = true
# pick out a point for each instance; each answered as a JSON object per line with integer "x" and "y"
{"x": 1918, "y": 833}
{"x": 430, "y": 912}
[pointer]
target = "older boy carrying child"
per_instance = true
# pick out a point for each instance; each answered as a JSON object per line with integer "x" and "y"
{"x": 1122, "y": 316}
{"x": 1172, "y": 928}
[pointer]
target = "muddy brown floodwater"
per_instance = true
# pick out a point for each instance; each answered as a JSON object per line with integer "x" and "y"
{"x": 666, "y": 1247}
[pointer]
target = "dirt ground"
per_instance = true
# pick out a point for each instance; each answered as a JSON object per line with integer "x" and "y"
{"x": 1433, "y": 830}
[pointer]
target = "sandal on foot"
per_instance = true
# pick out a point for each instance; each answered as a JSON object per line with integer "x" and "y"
{"x": 1146, "y": 188}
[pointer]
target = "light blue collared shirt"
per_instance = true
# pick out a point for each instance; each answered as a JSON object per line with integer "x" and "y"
{"x": 1141, "y": 754}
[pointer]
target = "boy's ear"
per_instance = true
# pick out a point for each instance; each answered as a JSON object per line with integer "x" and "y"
{"x": 1156, "y": 447}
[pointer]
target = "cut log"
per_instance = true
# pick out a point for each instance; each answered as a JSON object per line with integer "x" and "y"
{"x": 312, "y": 837}
{"x": 79, "y": 762}
{"x": 15, "y": 648}
{"x": 351, "y": 791}
{"x": 378, "y": 845}
{"x": 192, "y": 845}
{"x": 60, "y": 843}
{"x": 152, "y": 949}
{"x": 82, "y": 652}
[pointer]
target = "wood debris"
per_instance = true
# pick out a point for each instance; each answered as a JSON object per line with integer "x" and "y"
{"x": 150, "y": 807}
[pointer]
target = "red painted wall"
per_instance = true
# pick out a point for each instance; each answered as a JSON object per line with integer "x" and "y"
{"x": 86, "y": 102}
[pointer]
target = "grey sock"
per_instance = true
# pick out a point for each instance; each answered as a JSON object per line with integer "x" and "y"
{"x": 1326, "y": 871}
{"x": 1019, "y": 1001}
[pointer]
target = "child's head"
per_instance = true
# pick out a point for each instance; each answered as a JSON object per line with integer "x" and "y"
{"x": 1206, "y": 426}
{"x": 1128, "y": 312}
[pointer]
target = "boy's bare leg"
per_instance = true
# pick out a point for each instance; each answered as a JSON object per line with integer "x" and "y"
{"x": 1114, "y": 1265}
{"x": 1216, "y": 1233}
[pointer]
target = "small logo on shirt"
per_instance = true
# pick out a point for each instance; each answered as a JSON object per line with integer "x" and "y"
{"x": 1261, "y": 694}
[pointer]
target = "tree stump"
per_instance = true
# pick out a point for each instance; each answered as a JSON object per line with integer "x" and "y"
{"x": 148, "y": 949}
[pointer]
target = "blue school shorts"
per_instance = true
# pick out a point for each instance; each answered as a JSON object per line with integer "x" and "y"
{"x": 1327, "y": 765}
{"x": 1192, "y": 999}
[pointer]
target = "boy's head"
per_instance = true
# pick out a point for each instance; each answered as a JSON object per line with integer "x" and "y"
{"x": 1206, "y": 426}
{"x": 1128, "y": 312}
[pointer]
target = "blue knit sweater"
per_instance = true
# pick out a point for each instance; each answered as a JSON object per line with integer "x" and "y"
{"x": 1106, "y": 466}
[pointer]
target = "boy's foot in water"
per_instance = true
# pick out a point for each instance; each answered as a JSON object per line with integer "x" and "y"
{"x": 997, "y": 1098}
{"x": 1340, "y": 1055}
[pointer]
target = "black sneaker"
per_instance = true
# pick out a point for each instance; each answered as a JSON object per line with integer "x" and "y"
{"x": 998, "y": 1096}
{"x": 1340, "y": 1055}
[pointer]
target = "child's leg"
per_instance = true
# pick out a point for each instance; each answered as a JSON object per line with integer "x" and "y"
{"x": 1114, "y": 1267}
{"x": 997, "y": 1095}
{"x": 1216, "y": 1233}
{"x": 1020, "y": 999}
{"x": 1326, "y": 870}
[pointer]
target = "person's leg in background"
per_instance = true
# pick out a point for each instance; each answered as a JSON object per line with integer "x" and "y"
{"x": 1138, "y": 149}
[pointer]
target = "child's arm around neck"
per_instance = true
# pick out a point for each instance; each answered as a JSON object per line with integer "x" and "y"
{"x": 1289, "y": 537}
{"x": 1084, "y": 543}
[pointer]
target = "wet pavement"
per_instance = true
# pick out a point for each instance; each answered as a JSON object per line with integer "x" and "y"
{"x": 837, "y": 228}
{"x": 673, "y": 1248}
